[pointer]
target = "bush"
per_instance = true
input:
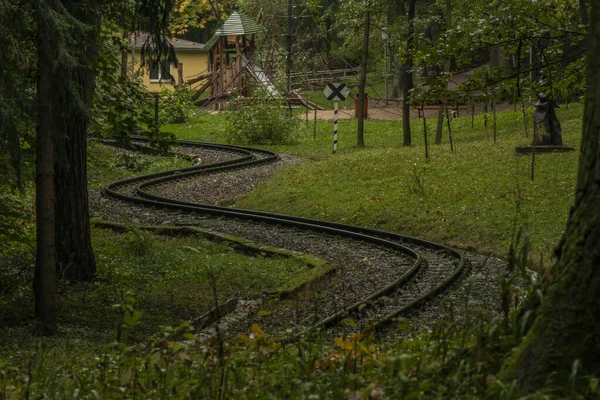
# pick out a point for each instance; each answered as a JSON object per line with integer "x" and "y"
{"x": 262, "y": 120}
{"x": 17, "y": 229}
{"x": 17, "y": 249}
{"x": 175, "y": 106}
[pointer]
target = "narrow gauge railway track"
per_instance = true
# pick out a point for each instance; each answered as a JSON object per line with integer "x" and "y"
{"x": 424, "y": 268}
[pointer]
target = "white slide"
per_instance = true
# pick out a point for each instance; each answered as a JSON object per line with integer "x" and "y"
{"x": 260, "y": 76}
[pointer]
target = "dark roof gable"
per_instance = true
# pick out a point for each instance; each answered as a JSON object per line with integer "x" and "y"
{"x": 139, "y": 38}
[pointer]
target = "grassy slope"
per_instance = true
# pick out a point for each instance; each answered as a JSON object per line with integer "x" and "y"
{"x": 469, "y": 198}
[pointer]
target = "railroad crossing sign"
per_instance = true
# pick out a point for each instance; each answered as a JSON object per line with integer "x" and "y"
{"x": 336, "y": 91}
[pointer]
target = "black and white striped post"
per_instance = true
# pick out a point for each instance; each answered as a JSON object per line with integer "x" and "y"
{"x": 335, "y": 125}
{"x": 336, "y": 92}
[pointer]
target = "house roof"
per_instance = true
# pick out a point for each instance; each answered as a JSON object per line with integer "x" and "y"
{"x": 139, "y": 38}
{"x": 237, "y": 24}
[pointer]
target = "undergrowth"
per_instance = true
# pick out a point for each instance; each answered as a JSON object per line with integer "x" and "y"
{"x": 167, "y": 276}
{"x": 447, "y": 362}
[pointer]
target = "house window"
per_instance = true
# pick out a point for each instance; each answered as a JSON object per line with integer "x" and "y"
{"x": 160, "y": 72}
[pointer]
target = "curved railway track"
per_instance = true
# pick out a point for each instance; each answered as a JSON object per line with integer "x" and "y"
{"x": 414, "y": 271}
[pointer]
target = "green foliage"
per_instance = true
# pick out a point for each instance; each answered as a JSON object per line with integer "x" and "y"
{"x": 191, "y": 14}
{"x": 262, "y": 120}
{"x": 17, "y": 249}
{"x": 165, "y": 279}
{"x": 509, "y": 32}
{"x": 204, "y": 127}
{"x": 158, "y": 139}
{"x": 120, "y": 105}
{"x": 175, "y": 106}
{"x": 16, "y": 88}
{"x": 120, "y": 108}
{"x": 448, "y": 362}
{"x": 16, "y": 222}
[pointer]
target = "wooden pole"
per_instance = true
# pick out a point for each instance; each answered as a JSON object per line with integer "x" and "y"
{"x": 238, "y": 62}
{"x": 222, "y": 46}
{"x": 494, "y": 114}
{"x": 133, "y": 56}
{"x": 360, "y": 139}
{"x": 288, "y": 64}
{"x": 485, "y": 110}
{"x": 440, "y": 122}
{"x": 449, "y": 129}
{"x": 315, "y": 126}
{"x": 306, "y": 116}
{"x": 425, "y": 136}
{"x": 180, "y": 75}
{"x": 533, "y": 162}
{"x": 524, "y": 119}
{"x": 385, "y": 74}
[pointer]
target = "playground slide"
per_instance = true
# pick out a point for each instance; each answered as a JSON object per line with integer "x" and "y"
{"x": 260, "y": 76}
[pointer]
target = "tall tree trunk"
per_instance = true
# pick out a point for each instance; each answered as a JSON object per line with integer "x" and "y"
{"x": 567, "y": 327}
{"x": 583, "y": 10}
{"x": 45, "y": 261}
{"x": 360, "y": 139}
{"x": 396, "y": 79}
{"x": 440, "y": 123}
{"x": 448, "y": 66}
{"x": 391, "y": 17}
{"x": 407, "y": 73}
{"x": 398, "y": 9}
{"x": 73, "y": 240}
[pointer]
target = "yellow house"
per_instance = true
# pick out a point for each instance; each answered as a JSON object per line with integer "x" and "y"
{"x": 217, "y": 65}
{"x": 192, "y": 58}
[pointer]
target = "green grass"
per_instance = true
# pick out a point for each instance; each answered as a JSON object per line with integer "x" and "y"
{"x": 169, "y": 278}
{"x": 107, "y": 164}
{"x": 471, "y": 199}
{"x": 176, "y": 272}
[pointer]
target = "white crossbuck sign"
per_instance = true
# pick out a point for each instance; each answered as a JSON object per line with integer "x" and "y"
{"x": 336, "y": 91}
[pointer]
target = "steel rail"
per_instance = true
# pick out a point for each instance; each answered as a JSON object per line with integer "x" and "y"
{"x": 247, "y": 159}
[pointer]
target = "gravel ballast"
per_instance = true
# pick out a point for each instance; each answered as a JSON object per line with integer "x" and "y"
{"x": 361, "y": 268}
